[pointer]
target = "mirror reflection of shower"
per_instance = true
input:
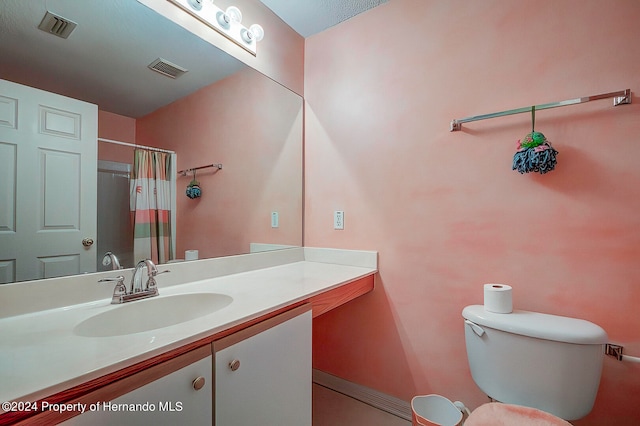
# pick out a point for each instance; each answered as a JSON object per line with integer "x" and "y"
{"x": 114, "y": 217}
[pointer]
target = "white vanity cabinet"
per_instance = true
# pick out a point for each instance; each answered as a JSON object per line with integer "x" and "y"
{"x": 263, "y": 373}
{"x": 169, "y": 397}
{"x": 259, "y": 375}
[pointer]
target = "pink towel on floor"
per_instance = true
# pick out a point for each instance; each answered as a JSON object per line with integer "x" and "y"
{"x": 498, "y": 414}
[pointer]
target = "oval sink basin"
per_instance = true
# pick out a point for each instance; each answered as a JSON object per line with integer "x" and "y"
{"x": 151, "y": 314}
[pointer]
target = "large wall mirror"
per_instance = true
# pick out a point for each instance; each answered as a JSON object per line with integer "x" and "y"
{"x": 219, "y": 111}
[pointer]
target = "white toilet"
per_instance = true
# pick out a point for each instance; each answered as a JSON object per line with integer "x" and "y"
{"x": 547, "y": 362}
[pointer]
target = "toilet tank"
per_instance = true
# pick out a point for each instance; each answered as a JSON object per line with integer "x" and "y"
{"x": 543, "y": 361}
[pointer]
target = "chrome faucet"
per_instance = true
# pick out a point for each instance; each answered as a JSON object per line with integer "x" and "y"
{"x": 136, "y": 279}
{"x": 136, "y": 291}
{"x": 111, "y": 259}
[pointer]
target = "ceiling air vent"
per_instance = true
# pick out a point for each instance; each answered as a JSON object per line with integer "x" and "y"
{"x": 165, "y": 67}
{"x": 57, "y": 25}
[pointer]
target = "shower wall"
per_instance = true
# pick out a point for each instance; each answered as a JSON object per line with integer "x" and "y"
{"x": 114, "y": 218}
{"x": 114, "y": 223}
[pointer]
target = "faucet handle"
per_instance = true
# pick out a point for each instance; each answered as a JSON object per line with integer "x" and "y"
{"x": 151, "y": 282}
{"x": 119, "y": 278}
{"x": 120, "y": 289}
{"x": 152, "y": 286}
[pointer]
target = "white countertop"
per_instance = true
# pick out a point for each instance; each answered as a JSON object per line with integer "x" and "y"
{"x": 40, "y": 355}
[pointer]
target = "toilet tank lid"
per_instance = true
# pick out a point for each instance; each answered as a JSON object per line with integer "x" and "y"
{"x": 538, "y": 325}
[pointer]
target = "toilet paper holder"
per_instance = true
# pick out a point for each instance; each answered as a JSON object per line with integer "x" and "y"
{"x": 613, "y": 350}
{"x": 616, "y": 351}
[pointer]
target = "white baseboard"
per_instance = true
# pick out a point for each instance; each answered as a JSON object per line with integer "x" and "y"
{"x": 379, "y": 400}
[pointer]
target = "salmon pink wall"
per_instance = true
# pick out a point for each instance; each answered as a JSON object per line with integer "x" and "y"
{"x": 119, "y": 128}
{"x": 445, "y": 211}
{"x": 253, "y": 126}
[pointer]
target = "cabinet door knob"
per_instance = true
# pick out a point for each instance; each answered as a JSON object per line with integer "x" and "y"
{"x": 198, "y": 383}
{"x": 234, "y": 365}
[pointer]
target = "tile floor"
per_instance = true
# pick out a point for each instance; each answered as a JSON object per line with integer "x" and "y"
{"x": 335, "y": 409}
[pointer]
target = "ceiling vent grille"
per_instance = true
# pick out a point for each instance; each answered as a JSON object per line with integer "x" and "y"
{"x": 57, "y": 25}
{"x": 167, "y": 68}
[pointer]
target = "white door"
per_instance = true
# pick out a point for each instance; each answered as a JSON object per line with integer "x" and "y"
{"x": 48, "y": 163}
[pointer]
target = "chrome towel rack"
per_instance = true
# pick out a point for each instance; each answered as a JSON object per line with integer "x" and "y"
{"x": 620, "y": 97}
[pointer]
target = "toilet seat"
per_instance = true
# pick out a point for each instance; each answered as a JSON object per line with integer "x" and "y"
{"x": 498, "y": 414}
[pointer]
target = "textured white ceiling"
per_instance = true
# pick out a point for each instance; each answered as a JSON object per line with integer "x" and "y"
{"x": 309, "y": 17}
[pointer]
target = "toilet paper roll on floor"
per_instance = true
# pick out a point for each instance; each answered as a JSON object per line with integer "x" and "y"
{"x": 498, "y": 298}
{"x": 191, "y": 255}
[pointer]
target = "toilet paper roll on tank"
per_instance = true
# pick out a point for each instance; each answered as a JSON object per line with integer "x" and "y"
{"x": 498, "y": 298}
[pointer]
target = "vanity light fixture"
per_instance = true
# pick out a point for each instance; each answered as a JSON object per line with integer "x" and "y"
{"x": 226, "y": 22}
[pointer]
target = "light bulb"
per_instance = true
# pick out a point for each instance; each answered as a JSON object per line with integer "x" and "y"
{"x": 195, "y": 4}
{"x": 247, "y": 35}
{"x": 223, "y": 19}
{"x": 234, "y": 13}
{"x": 257, "y": 31}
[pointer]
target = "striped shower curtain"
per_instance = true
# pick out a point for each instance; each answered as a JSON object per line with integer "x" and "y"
{"x": 151, "y": 206}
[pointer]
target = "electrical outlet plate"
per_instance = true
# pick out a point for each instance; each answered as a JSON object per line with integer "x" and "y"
{"x": 338, "y": 219}
{"x": 275, "y": 220}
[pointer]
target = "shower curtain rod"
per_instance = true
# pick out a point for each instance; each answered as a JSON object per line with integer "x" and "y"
{"x": 149, "y": 148}
{"x": 620, "y": 98}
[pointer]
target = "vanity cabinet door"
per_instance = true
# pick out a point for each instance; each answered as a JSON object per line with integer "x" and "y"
{"x": 263, "y": 373}
{"x": 181, "y": 397}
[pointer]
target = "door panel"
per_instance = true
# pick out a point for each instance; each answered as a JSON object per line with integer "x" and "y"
{"x": 60, "y": 186}
{"x": 55, "y": 266}
{"x": 8, "y": 112}
{"x": 59, "y": 123}
{"x": 8, "y": 167}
